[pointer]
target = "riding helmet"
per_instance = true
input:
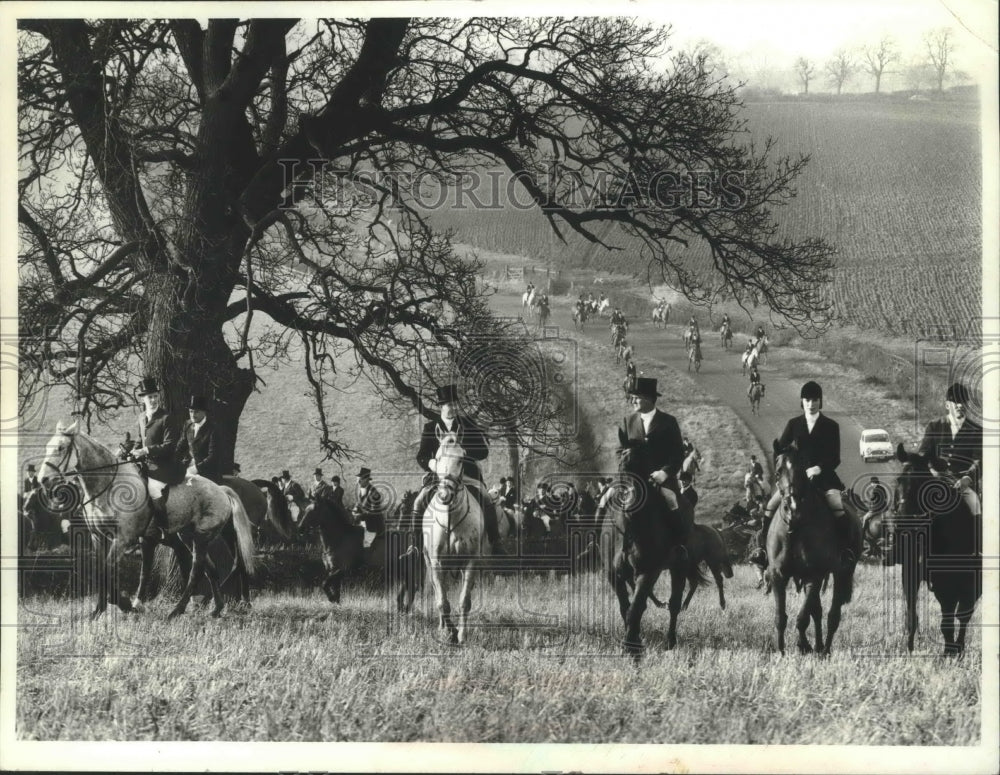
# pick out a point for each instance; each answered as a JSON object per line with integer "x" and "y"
{"x": 811, "y": 390}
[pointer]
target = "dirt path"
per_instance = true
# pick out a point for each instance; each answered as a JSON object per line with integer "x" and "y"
{"x": 721, "y": 377}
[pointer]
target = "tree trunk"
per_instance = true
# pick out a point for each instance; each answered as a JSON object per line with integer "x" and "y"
{"x": 878, "y": 81}
{"x": 187, "y": 353}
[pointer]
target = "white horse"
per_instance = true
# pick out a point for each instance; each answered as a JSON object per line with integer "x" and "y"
{"x": 604, "y": 307}
{"x": 756, "y": 489}
{"x": 661, "y": 314}
{"x": 453, "y": 525}
{"x": 528, "y": 299}
{"x": 749, "y": 359}
{"x": 117, "y": 511}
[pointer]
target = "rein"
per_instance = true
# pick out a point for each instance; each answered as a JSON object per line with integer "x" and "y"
{"x": 78, "y": 471}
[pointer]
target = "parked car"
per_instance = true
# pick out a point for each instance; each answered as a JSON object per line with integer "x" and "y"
{"x": 875, "y": 445}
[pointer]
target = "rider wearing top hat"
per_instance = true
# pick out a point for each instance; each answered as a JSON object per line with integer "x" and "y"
{"x": 654, "y": 437}
{"x": 369, "y": 506}
{"x": 817, "y": 438}
{"x": 30, "y": 481}
{"x": 473, "y": 441}
{"x": 197, "y": 448}
{"x": 158, "y": 441}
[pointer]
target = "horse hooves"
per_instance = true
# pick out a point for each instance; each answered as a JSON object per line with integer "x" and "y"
{"x": 805, "y": 648}
{"x": 95, "y": 615}
{"x": 175, "y": 613}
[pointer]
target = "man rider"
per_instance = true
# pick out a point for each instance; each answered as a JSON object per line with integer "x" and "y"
{"x": 158, "y": 440}
{"x": 473, "y": 440}
{"x": 817, "y": 438}
{"x": 652, "y": 438}
{"x": 197, "y": 447}
{"x": 956, "y": 441}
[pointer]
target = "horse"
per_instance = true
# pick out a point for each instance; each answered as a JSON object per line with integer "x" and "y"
{"x": 44, "y": 520}
{"x": 637, "y": 525}
{"x": 761, "y": 348}
{"x": 661, "y": 314}
{"x": 756, "y": 490}
{"x": 453, "y": 521}
{"x": 803, "y": 545}
{"x": 755, "y": 395}
{"x": 705, "y": 546}
{"x": 694, "y": 357}
{"x": 617, "y": 335}
{"x": 938, "y": 541}
{"x": 624, "y": 353}
{"x": 543, "y": 314}
{"x": 117, "y": 511}
{"x": 528, "y": 299}
{"x": 579, "y": 316}
{"x": 749, "y": 359}
{"x": 726, "y": 334}
{"x": 604, "y": 307}
{"x": 341, "y": 541}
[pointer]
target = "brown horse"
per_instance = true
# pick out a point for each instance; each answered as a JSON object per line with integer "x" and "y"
{"x": 342, "y": 542}
{"x": 937, "y": 541}
{"x": 803, "y": 546}
{"x": 638, "y": 526}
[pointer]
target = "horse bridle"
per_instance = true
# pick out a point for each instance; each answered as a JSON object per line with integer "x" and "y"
{"x": 77, "y": 470}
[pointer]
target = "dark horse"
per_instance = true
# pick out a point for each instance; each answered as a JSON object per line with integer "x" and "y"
{"x": 803, "y": 545}
{"x": 637, "y": 524}
{"x": 938, "y": 541}
{"x": 342, "y": 542}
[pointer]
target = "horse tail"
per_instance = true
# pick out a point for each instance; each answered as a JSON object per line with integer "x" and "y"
{"x": 278, "y": 513}
{"x": 244, "y": 530}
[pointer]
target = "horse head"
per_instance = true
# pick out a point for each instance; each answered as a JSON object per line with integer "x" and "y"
{"x": 61, "y": 454}
{"x": 450, "y": 459}
{"x": 792, "y": 482}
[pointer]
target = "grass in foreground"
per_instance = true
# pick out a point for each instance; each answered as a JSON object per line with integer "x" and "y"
{"x": 543, "y": 665}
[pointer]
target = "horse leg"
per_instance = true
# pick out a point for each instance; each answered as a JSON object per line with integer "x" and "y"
{"x": 335, "y": 579}
{"x": 949, "y": 618}
{"x": 674, "y": 604}
{"x": 692, "y": 586}
{"x": 212, "y": 572}
{"x": 644, "y": 583}
{"x": 439, "y": 576}
{"x": 197, "y": 568}
{"x": 115, "y": 553}
{"x": 841, "y": 583}
{"x": 779, "y": 586}
{"x": 619, "y": 577}
{"x": 817, "y": 619}
{"x": 717, "y": 574}
{"x": 465, "y": 604}
{"x": 911, "y": 585}
{"x": 99, "y": 542}
{"x": 805, "y": 614}
{"x": 966, "y": 607}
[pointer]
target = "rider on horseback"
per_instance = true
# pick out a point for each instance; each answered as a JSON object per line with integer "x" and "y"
{"x": 158, "y": 438}
{"x": 818, "y": 440}
{"x": 754, "y": 380}
{"x": 473, "y": 440}
{"x": 652, "y": 440}
{"x": 955, "y": 440}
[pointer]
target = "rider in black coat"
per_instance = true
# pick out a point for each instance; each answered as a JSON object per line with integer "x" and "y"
{"x": 473, "y": 441}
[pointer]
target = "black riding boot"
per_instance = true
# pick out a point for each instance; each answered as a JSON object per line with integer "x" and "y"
{"x": 421, "y": 502}
{"x": 490, "y": 523}
{"x": 759, "y": 555}
{"x": 847, "y": 554}
{"x": 158, "y": 507}
{"x": 889, "y": 552}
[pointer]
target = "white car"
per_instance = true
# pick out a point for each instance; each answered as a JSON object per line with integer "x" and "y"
{"x": 876, "y": 445}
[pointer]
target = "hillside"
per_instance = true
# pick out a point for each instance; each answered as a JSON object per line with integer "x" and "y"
{"x": 894, "y": 185}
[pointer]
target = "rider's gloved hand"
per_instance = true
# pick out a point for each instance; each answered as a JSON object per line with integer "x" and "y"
{"x": 658, "y": 476}
{"x": 140, "y": 453}
{"x": 813, "y": 471}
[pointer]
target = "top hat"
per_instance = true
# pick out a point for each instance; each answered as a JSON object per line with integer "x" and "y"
{"x": 318, "y": 472}
{"x": 646, "y": 387}
{"x": 31, "y": 468}
{"x": 286, "y": 475}
{"x": 335, "y": 479}
{"x": 198, "y": 404}
{"x": 811, "y": 390}
{"x": 364, "y": 472}
{"x": 957, "y": 393}
{"x": 148, "y": 386}
{"x": 447, "y": 394}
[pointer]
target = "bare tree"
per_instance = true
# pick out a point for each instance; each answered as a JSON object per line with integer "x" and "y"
{"x": 194, "y": 198}
{"x": 940, "y": 48}
{"x": 840, "y": 68}
{"x": 805, "y": 70}
{"x": 878, "y": 57}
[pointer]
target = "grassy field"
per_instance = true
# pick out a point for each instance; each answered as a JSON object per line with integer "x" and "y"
{"x": 541, "y": 667}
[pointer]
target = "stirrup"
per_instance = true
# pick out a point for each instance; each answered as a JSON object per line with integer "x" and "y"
{"x": 759, "y": 557}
